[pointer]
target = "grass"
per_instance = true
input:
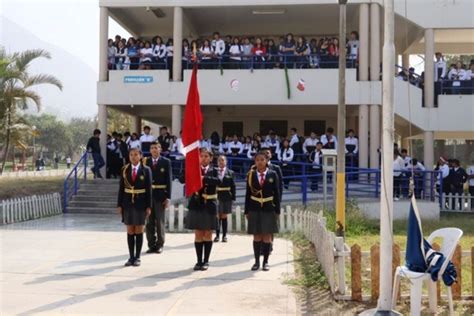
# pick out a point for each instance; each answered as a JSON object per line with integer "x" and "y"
{"x": 25, "y": 186}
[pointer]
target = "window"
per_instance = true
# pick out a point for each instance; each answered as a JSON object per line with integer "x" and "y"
{"x": 317, "y": 126}
{"x": 231, "y": 128}
{"x": 280, "y": 127}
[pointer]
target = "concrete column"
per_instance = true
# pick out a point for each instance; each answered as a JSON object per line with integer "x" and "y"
{"x": 363, "y": 131}
{"x": 177, "y": 66}
{"x": 103, "y": 72}
{"x": 136, "y": 124}
{"x": 428, "y": 150}
{"x": 405, "y": 61}
{"x": 374, "y": 76}
{"x": 429, "y": 68}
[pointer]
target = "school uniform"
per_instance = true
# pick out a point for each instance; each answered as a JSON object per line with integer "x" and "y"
{"x": 205, "y": 144}
{"x": 273, "y": 144}
{"x": 135, "y": 193}
{"x": 418, "y": 177}
{"x": 134, "y": 144}
{"x": 458, "y": 177}
{"x": 121, "y": 59}
{"x": 165, "y": 142}
{"x": 470, "y": 172}
{"x": 279, "y": 173}
{"x": 206, "y": 57}
{"x": 147, "y": 54}
{"x": 252, "y": 152}
{"x": 159, "y": 55}
{"x": 285, "y": 156}
{"x": 444, "y": 176}
{"x": 161, "y": 191}
{"x": 145, "y": 143}
{"x": 262, "y": 202}
{"x": 398, "y": 167}
{"x": 111, "y": 52}
{"x": 440, "y": 70}
{"x": 352, "y": 150}
{"x": 247, "y": 53}
{"x": 309, "y": 145}
{"x": 203, "y": 204}
{"x": 329, "y": 143}
{"x": 246, "y": 148}
{"x": 169, "y": 57}
{"x": 316, "y": 159}
{"x": 218, "y": 48}
{"x": 235, "y": 148}
{"x": 295, "y": 144}
{"x": 235, "y": 58}
{"x": 133, "y": 56}
{"x": 225, "y": 190}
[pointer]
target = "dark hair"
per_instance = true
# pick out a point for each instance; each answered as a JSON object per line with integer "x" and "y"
{"x": 215, "y": 139}
{"x": 97, "y": 131}
{"x": 126, "y": 134}
{"x": 330, "y": 130}
{"x": 350, "y": 131}
{"x": 155, "y": 143}
{"x": 404, "y": 150}
{"x": 293, "y": 129}
{"x": 134, "y": 149}
{"x": 262, "y": 152}
{"x": 414, "y": 161}
{"x": 146, "y": 127}
{"x": 319, "y": 143}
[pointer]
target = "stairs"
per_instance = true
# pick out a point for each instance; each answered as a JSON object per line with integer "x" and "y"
{"x": 95, "y": 197}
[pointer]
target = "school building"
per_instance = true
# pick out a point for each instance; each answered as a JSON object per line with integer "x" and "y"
{"x": 244, "y": 101}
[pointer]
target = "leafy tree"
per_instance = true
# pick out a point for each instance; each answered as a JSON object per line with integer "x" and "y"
{"x": 118, "y": 121}
{"x": 15, "y": 89}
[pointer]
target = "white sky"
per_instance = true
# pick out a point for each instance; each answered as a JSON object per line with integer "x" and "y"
{"x": 72, "y": 25}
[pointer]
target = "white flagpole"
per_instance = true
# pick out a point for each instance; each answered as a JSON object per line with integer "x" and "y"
{"x": 384, "y": 306}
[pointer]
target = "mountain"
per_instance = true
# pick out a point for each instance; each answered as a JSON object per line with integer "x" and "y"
{"x": 78, "y": 98}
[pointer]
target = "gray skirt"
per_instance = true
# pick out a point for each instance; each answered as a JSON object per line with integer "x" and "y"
{"x": 225, "y": 207}
{"x": 132, "y": 216}
{"x": 200, "y": 220}
{"x": 262, "y": 223}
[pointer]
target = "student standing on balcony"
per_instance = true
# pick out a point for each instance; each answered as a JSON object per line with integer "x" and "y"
{"x": 272, "y": 54}
{"x": 226, "y": 57}
{"x": 206, "y": 55}
{"x": 133, "y": 53}
{"x": 262, "y": 208}
{"x": 353, "y": 49}
{"x": 440, "y": 67}
{"x": 235, "y": 52}
{"x": 218, "y": 49}
{"x": 259, "y": 54}
{"x": 111, "y": 52}
{"x": 122, "y": 61}
{"x": 333, "y": 52}
{"x": 288, "y": 50}
{"x": 285, "y": 157}
{"x": 134, "y": 203}
{"x": 456, "y": 75}
{"x": 302, "y": 53}
{"x": 159, "y": 53}
{"x": 169, "y": 56}
{"x": 186, "y": 55}
{"x": 226, "y": 195}
{"x": 146, "y": 55}
{"x": 247, "y": 53}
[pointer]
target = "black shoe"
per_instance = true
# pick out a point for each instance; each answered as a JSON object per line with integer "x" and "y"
{"x": 129, "y": 262}
{"x": 159, "y": 250}
{"x": 205, "y": 266}
{"x": 151, "y": 250}
{"x": 266, "y": 267}
{"x": 224, "y": 239}
{"x": 216, "y": 239}
{"x": 255, "y": 267}
{"x": 197, "y": 267}
{"x": 137, "y": 262}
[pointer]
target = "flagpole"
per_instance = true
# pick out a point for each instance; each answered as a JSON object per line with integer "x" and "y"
{"x": 384, "y": 305}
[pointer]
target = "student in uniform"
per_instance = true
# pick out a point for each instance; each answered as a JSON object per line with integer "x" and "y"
{"x": 146, "y": 139}
{"x": 302, "y": 53}
{"x": 316, "y": 160}
{"x": 353, "y": 49}
{"x": 203, "y": 211}
{"x": 285, "y": 156}
{"x": 272, "y": 54}
{"x": 417, "y": 169}
{"x": 235, "y": 52}
{"x": 235, "y": 147}
{"x": 165, "y": 140}
{"x": 310, "y": 143}
{"x": 288, "y": 50}
{"x": 218, "y": 48}
{"x": 121, "y": 57}
{"x": 206, "y": 55}
{"x": 161, "y": 193}
{"x": 273, "y": 143}
{"x": 440, "y": 67}
{"x": 134, "y": 142}
{"x": 398, "y": 167}
{"x": 295, "y": 143}
{"x": 247, "y": 145}
{"x": 133, "y": 53}
{"x": 259, "y": 54}
{"x": 169, "y": 56}
{"x": 470, "y": 172}
{"x": 262, "y": 208}
{"x": 146, "y": 55}
{"x": 458, "y": 178}
{"x": 329, "y": 140}
{"x": 352, "y": 148}
{"x": 225, "y": 196}
{"x": 93, "y": 146}
{"x": 134, "y": 203}
{"x": 159, "y": 53}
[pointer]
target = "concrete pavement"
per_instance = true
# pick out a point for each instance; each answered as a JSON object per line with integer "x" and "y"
{"x": 73, "y": 265}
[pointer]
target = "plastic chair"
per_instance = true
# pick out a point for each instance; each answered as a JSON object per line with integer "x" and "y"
{"x": 450, "y": 237}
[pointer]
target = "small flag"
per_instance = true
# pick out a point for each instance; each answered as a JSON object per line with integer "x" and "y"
{"x": 300, "y": 85}
{"x": 234, "y": 85}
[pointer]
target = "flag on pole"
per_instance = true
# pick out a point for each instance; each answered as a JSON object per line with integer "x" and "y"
{"x": 192, "y": 133}
{"x": 420, "y": 256}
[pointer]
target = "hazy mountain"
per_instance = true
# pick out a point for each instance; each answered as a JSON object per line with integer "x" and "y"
{"x": 78, "y": 98}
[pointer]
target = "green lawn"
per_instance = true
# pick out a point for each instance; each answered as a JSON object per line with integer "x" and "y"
{"x": 18, "y": 187}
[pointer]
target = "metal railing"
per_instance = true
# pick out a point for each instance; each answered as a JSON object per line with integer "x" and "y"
{"x": 72, "y": 180}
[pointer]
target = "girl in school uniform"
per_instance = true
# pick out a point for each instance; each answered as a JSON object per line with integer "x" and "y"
{"x": 169, "y": 56}
{"x": 259, "y": 54}
{"x": 159, "y": 53}
{"x": 203, "y": 211}
{"x": 302, "y": 52}
{"x": 121, "y": 57}
{"x": 186, "y": 55}
{"x": 146, "y": 55}
{"x": 272, "y": 54}
{"x": 134, "y": 203}
{"x": 246, "y": 145}
{"x": 235, "y": 52}
{"x": 288, "y": 51}
{"x": 133, "y": 53}
{"x": 111, "y": 52}
{"x": 225, "y": 196}
{"x": 262, "y": 208}
{"x": 285, "y": 157}
{"x": 206, "y": 55}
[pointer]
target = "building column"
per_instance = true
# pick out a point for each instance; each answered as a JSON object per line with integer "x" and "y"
{"x": 103, "y": 74}
{"x": 364, "y": 76}
{"x": 177, "y": 66}
{"x": 405, "y": 61}
{"x": 136, "y": 124}
{"x": 374, "y": 76}
{"x": 428, "y": 147}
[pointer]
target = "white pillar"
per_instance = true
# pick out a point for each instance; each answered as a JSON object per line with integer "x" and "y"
{"x": 429, "y": 96}
{"x": 364, "y": 76}
{"x": 177, "y": 66}
{"x": 405, "y": 61}
{"x": 103, "y": 71}
{"x": 374, "y": 76}
{"x": 136, "y": 124}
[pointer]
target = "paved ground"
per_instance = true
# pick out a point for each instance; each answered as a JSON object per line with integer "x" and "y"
{"x": 74, "y": 265}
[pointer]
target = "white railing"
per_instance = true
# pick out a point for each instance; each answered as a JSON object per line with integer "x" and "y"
{"x": 29, "y": 207}
{"x": 42, "y": 173}
{"x": 459, "y": 203}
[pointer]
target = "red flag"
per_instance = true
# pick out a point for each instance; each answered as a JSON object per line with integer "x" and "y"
{"x": 192, "y": 133}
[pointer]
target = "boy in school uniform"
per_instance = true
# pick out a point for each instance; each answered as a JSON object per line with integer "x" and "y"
{"x": 161, "y": 192}
{"x": 145, "y": 140}
{"x": 225, "y": 196}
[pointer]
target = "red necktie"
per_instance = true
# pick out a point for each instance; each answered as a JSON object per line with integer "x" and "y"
{"x": 203, "y": 172}
{"x": 154, "y": 163}
{"x": 134, "y": 174}
{"x": 262, "y": 178}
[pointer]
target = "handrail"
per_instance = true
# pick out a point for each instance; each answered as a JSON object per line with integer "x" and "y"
{"x": 73, "y": 175}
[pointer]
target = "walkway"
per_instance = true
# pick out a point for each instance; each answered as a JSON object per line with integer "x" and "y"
{"x": 73, "y": 264}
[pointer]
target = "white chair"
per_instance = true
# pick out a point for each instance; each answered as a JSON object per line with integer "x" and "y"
{"x": 450, "y": 238}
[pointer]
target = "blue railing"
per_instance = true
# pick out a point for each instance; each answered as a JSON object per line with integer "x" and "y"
{"x": 71, "y": 182}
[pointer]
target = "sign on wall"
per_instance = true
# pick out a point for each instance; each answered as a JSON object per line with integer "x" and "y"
{"x": 137, "y": 79}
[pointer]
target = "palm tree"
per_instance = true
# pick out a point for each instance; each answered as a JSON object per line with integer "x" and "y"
{"x": 15, "y": 89}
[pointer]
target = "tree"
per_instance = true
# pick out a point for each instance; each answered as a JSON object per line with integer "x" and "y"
{"x": 53, "y": 134}
{"x": 15, "y": 89}
{"x": 118, "y": 121}
{"x": 80, "y": 130}
{"x": 452, "y": 59}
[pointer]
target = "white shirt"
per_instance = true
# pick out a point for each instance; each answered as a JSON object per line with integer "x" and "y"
{"x": 68, "y": 160}
{"x": 406, "y": 161}
{"x": 159, "y": 51}
{"x": 470, "y": 171}
{"x": 417, "y": 167}
{"x": 147, "y": 138}
{"x": 441, "y": 64}
{"x": 146, "y": 53}
{"x": 218, "y": 46}
{"x": 324, "y": 140}
{"x": 286, "y": 155}
{"x": 135, "y": 168}
{"x": 235, "y": 50}
{"x": 316, "y": 162}
{"x": 354, "y": 49}
{"x": 273, "y": 143}
{"x": 235, "y": 145}
{"x": 134, "y": 144}
{"x": 469, "y": 75}
{"x": 352, "y": 141}
{"x": 251, "y": 153}
{"x": 111, "y": 52}
{"x": 205, "y": 52}
{"x": 205, "y": 144}
{"x": 260, "y": 173}
{"x": 169, "y": 50}
{"x": 444, "y": 170}
{"x": 178, "y": 145}
{"x": 457, "y": 74}
{"x": 111, "y": 144}
{"x": 309, "y": 142}
{"x": 221, "y": 173}
{"x": 294, "y": 140}
{"x": 247, "y": 146}
{"x": 398, "y": 166}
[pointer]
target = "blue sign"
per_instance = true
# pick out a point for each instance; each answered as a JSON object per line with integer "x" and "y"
{"x": 137, "y": 79}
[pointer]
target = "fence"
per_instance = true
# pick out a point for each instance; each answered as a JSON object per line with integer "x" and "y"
{"x": 42, "y": 173}
{"x": 30, "y": 207}
{"x": 458, "y": 202}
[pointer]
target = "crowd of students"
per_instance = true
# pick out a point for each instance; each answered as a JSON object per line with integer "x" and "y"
{"x": 232, "y": 52}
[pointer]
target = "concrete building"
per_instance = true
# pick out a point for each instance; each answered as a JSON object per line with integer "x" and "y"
{"x": 261, "y": 100}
